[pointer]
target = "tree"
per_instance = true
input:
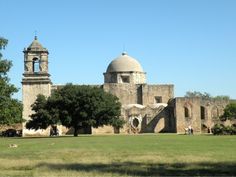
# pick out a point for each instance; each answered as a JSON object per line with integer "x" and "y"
{"x": 44, "y": 115}
{"x": 10, "y": 108}
{"x": 198, "y": 94}
{"x": 229, "y": 112}
{"x": 206, "y": 96}
{"x": 77, "y": 107}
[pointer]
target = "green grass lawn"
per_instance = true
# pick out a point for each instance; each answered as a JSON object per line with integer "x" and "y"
{"x": 119, "y": 155}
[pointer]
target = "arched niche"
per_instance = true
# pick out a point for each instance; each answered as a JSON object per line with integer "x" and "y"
{"x": 214, "y": 113}
{"x": 187, "y": 110}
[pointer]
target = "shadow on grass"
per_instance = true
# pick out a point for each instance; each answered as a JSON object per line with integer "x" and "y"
{"x": 150, "y": 169}
{"x": 50, "y": 137}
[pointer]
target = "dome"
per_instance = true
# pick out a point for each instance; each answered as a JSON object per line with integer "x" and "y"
{"x": 124, "y": 63}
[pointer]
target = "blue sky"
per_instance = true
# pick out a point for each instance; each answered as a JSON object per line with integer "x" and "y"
{"x": 188, "y": 43}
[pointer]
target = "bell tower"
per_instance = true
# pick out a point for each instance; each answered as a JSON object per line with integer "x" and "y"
{"x": 36, "y": 79}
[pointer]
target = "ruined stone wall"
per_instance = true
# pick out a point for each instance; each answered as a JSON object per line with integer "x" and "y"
{"x": 211, "y": 110}
{"x": 193, "y": 118}
{"x": 151, "y": 119}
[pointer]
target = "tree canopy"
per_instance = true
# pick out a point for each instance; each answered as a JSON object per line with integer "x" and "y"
{"x": 206, "y": 96}
{"x": 229, "y": 112}
{"x": 10, "y": 108}
{"x": 76, "y": 106}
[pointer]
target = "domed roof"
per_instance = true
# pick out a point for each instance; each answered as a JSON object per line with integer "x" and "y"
{"x": 36, "y": 46}
{"x": 124, "y": 63}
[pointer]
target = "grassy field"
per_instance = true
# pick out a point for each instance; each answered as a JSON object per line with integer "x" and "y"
{"x": 119, "y": 155}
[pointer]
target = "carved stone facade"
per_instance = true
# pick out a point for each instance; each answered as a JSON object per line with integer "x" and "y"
{"x": 145, "y": 108}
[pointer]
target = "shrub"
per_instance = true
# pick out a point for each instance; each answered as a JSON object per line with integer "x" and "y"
{"x": 233, "y": 130}
{"x": 217, "y": 129}
{"x": 220, "y": 129}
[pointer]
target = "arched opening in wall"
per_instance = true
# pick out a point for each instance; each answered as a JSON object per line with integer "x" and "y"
{"x": 135, "y": 122}
{"x": 214, "y": 113}
{"x": 36, "y": 64}
{"x": 204, "y": 128}
{"x": 203, "y": 112}
{"x": 186, "y": 112}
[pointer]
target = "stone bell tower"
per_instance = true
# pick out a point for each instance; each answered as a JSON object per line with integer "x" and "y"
{"x": 36, "y": 79}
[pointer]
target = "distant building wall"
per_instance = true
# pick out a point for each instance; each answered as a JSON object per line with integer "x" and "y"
{"x": 150, "y": 93}
{"x": 211, "y": 110}
{"x": 127, "y": 93}
{"x": 140, "y": 93}
{"x": 187, "y": 113}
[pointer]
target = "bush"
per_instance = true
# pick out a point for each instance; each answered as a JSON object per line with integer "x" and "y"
{"x": 220, "y": 129}
{"x": 229, "y": 112}
{"x": 233, "y": 129}
{"x": 217, "y": 129}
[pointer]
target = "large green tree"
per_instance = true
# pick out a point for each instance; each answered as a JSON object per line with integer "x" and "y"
{"x": 10, "y": 108}
{"x": 76, "y": 106}
{"x": 229, "y": 112}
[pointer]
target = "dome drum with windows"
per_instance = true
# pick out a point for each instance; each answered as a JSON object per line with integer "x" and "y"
{"x": 125, "y": 70}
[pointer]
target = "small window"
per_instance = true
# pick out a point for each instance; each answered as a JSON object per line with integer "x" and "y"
{"x": 158, "y": 99}
{"x": 186, "y": 112}
{"x": 125, "y": 79}
{"x": 202, "y": 112}
{"x": 36, "y": 65}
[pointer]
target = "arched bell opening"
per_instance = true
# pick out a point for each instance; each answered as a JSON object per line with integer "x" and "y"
{"x": 36, "y": 65}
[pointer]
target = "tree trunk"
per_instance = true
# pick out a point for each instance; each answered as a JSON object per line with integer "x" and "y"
{"x": 76, "y": 129}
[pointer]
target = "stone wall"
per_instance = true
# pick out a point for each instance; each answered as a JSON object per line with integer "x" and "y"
{"x": 152, "y": 119}
{"x": 149, "y": 92}
{"x": 211, "y": 110}
{"x": 140, "y": 93}
{"x": 127, "y": 93}
{"x": 30, "y": 90}
{"x": 103, "y": 130}
{"x": 187, "y": 113}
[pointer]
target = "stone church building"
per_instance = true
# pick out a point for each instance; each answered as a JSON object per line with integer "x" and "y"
{"x": 145, "y": 108}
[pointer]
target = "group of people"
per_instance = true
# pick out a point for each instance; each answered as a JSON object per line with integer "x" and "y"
{"x": 189, "y": 130}
{"x": 54, "y": 131}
